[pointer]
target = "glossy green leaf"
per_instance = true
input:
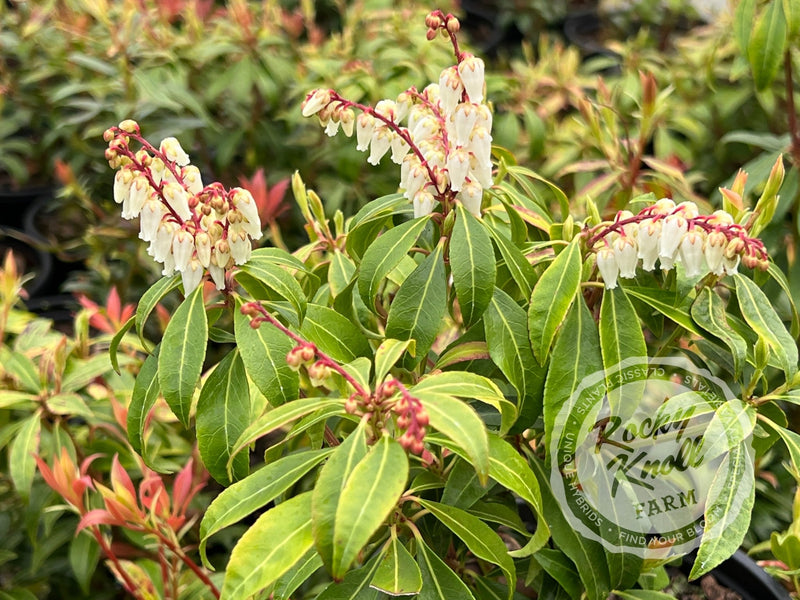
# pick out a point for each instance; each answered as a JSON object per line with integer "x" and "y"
{"x": 117, "y": 340}
{"x": 280, "y": 416}
{"x": 287, "y": 584}
{"x": 387, "y": 354}
{"x": 420, "y": 305}
{"x": 255, "y": 491}
{"x": 334, "y": 334}
{"x": 708, "y": 310}
{"x": 502, "y": 514}
{"x": 368, "y": 222}
{"x": 562, "y": 569}
{"x": 382, "y": 256}
{"x": 367, "y": 499}
{"x": 479, "y": 538}
{"x": 264, "y": 351}
{"x": 459, "y": 422}
{"x": 183, "y": 350}
{"x": 397, "y": 573}
{"x": 150, "y": 299}
{"x": 23, "y": 370}
{"x": 780, "y": 278}
{"x": 470, "y": 386}
{"x": 277, "y": 279}
{"x": 521, "y": 270}
{"x": 667, "y": 303}
{"x": 340, "y": 273}
{"x": 223, "y": 412}
{"x": 506, "y": 327}
{"x": 552, "y": 297}
{"x": 767, "y": 44}
{"x": 727, "y": 515}
{"x": 576, "y": 355}
{"x": 18, "y": 400}
{"x": 792, "y": 441}
{"x": 84, "y": 554}
{"x": 69, "y": 404}
{"x": 758, "y": 312}
{"x": 278, "y": 256}
{"x": 21, "y": 464}
{"x": 276, "y": 541}
{"x": 472, "y": 265}
{"x": 462, "y": 488}
{"x": 439, "y": 582}
{"x": 588, "y": 555}
{"x": 328, "y": 491}
{"x": 143, "y": 398}
{"x": 354, "y": 586}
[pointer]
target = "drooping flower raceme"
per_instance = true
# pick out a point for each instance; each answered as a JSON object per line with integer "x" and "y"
{"x": 190, "y": 227}
{"x": 440, "y": 136}
{"x": 673, "y": 234}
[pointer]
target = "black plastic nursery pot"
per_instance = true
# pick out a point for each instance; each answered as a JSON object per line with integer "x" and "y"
{"x": 741, "y": 574}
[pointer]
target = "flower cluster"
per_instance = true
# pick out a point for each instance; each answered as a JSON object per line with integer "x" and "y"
{"x": 674, "y": 234}
{"x": 444, "y": 149}
{"x": 190, "y": 227}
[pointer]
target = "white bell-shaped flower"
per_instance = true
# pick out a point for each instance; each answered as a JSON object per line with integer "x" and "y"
{"x": 714, "y": 252}
{"x": 150, "y": 218}
{"x": 399, "y": 149}
{"x": 425, "y": 129}
{"x": 169, "y": 266}
{"x": 217, "y": 275}
{"x": 171, "y": 148}
{"x": 202, "y": 246}
{"x": 484, "y": 117}
{"x": 471, "y": 70}
{"x": 673, "y": 228}
{"x": 480, "y": 144}
{"x": 315, "y": 102}
{"x": 481, "y": 172}
{"x": 423, "y": 203}
{"x": 239, "y": 244}
{"x": 192, "y": 179}
{"x": 450, "y": 89}
{"x": 387, "y": 108}
{"x": 191, "y": 276}
{"x": 182, "y": 249}
{"x": 140, "y": 190}
{"x": 365, "y": 125}
{"x": 471, "y": 195}
{"x": 161, "y": 245}
{"x": 457, "y": 167}
{"x": 381, "y": 142}
{"x": 243, "y": 200}
{"x": 156, "y": 169}
{"x": 431, "y": 93}
{"x": 347, "y": 120}
{"x": 331, "y": 127}
{"x": 122, "y": 185}
{"x": 415, "y": 114}
{"x": 691, "y": 251}
{"x": 464, "y": 119}
{"x": 178, "y": 199}
{"x": 221, "y": 254}
{"x": 608, "y": 267}
{"x": 731, "y": 264}
{"x": 417, "y": 178}
{"x": 648, "y": 240}
{"x": 625, "y": 253}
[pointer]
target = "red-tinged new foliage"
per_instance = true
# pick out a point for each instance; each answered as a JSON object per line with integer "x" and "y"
{"x": 108, "y": 318}
{"x": 269, "y": 200}
{"x": 67, "y": 479}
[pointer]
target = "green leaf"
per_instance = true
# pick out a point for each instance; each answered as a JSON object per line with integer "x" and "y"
{"x": 643, "y": 595}
{"x": 758, "y": 312}
{"x": 255, "y": 491}
{"x": 143, "y": 398}
{"x": 479, "y": 538}
{"x": 472, "y": 265}
{"x": 183, "y": 350}
{"x": 666, "y": 302}
{"x": 767, "y": 44}
{"x": 438, "y": 580}
{"x": 383, "y": 255}
{"x": 459, "y": 422}
{"x": 150, "y": 299}
{"x": 340, "y": 273}
{"x": 23, "y": 370}
{"x": 575, "y": 356}
{"x": 792, "y": 441}
{"x": 506, "y": 327}
{"x": 779, "y": 276}
{"x": 367, "y": 499}
{"x": 470, "y": 386}
{"x": 84, "y": 554}
{"x": 367, "y": 223}
{"x": 328, "y": 491}
{"x": 562, "y": 569}
{"x": 116, "y": 340}
{"x": 510, "y": 470}
{"x": 708, "y": 311}
{"x": 288, "y": 583}
{"x": 521, "y": 270}
{"x": 68, "y": 404}
{"x": 552, "y": 297}
{"x": 462, "y": 488}
{"x": 276, "y": 541}
{"x": 387, "y": 354}
{"x": 280, "y": 416}
{"x": 276, "y": 278}
{"x": 354, "y": 586}
{"x": 397, "y": 573}
{"x": 727, "y": 515}
{"x": 420, "y": 305}
{"x": 264, "y": 351}
{"x": 334, "y": 334}
{"x": 588, "y": 555}
{"x": 22, "y": 466}
{"x": 223, "y": 412}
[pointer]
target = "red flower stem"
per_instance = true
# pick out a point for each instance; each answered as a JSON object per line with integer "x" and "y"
{"x": 320, "y": 355}
{"x": 178, "y": 551}
{"x": 129, "y": 584}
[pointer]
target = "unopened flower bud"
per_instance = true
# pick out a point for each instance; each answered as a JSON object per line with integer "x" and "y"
{"x": 129, "y": 126}
{"x": 433, "y": 21}
{"x": 453, "y": 26}
{"x": 315, "y": 102}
